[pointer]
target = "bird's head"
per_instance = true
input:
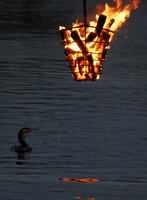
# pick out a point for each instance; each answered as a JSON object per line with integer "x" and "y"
{"x": 22, "y": 134}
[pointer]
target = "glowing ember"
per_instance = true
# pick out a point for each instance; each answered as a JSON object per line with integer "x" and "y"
{"x": 86, "y": 45}
{"x": 86, "y": 180}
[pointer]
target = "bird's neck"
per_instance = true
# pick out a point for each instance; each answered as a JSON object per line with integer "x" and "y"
{"x": 22, "y": 140}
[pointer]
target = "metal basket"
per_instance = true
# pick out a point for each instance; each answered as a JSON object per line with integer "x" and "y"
{"x": 90, "y": 47}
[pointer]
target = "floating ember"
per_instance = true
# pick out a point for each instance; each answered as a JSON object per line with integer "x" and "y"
{"x": 86, "y": 45}
{"x": 86, "y": 180}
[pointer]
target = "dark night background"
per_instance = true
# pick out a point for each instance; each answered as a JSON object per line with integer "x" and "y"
{"x": 87, "y": 129}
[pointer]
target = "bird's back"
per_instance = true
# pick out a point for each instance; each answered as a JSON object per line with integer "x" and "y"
{"x": 21, "y": 148}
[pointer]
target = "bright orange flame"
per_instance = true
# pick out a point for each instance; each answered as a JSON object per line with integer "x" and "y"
{"x": 86, "y": 45}
{"x": 119, "y": 13}
{"x": 86, "y": 180}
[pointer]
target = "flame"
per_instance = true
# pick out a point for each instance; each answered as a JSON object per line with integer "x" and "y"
{"x": 119, "y": 13}
{"x": 86, "y": 180}
{"x": 86, "y": 45}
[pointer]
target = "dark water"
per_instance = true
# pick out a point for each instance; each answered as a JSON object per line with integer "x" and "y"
{"x": 87, "y": 129}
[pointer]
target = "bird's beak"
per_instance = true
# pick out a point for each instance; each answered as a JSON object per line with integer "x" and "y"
{"x": 34, "y": 129}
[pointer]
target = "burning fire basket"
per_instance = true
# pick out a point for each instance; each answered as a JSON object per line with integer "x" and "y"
{"x": 86, "y": 46}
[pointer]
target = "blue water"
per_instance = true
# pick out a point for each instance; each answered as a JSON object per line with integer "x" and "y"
{"x": 87, "y": 129}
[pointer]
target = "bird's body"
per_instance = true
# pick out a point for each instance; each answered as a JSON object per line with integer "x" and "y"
{"x": 23, "y": 147}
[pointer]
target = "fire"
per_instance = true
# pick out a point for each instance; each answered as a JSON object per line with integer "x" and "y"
{"x": 86, "y": 45}
{"x": 86, "y": 180}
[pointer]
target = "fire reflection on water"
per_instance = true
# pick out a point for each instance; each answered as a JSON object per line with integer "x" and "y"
{"x": 86, "y": 180}
{"x": 88, "y": 198}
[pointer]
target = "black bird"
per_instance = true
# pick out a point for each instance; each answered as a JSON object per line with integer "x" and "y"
{"x": 23, "y": 147}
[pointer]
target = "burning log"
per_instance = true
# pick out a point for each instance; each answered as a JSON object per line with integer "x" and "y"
{"x": 76, "y": 38}
{"x": 105, "y": 36}
{"x": 110, "y": 23}
{"x": 81, "y": 45}
{"x": 103, "y": 41}
{"x": 91, "y": 37}
{"x": 100, "y": 24}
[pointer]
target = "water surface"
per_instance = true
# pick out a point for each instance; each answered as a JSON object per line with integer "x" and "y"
{"x": 87, "y": 129}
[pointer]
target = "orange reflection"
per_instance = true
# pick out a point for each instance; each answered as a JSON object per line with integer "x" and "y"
{"x": 88, "y": 198}
{"x": 86, "y": 180}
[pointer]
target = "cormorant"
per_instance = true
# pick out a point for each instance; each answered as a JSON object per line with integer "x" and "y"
{"x": 23, "y": 147}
